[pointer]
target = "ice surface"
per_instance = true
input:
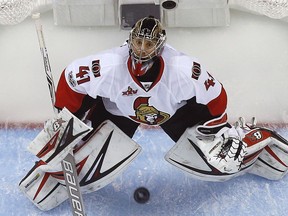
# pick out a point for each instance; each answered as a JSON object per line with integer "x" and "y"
{"x": 172, "y": 192}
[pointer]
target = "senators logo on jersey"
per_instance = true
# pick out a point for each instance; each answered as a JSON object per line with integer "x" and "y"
{"x": 196, "y": 70}
{"x": 144, "y": 113}
{"x": 96, "y": 68}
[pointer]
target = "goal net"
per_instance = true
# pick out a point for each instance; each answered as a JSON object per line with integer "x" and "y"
{"x": 276, "y": 9}
{"x": 15, "y": 11}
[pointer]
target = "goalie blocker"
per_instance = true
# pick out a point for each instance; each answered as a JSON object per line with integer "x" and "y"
{"x": 99, "y": 160}
{"x": 261, "y": 151}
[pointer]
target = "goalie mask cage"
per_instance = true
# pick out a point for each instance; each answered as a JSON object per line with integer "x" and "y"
{"x": 172, "y": 13}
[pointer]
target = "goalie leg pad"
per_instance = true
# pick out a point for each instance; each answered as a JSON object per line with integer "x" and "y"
{"x": 58, "y": 138}
{"x": 99, "y": 161}
{"x": 42, "y": 188}
{"x": 213, "y": 158}
{"x": 104, "y": 157}
{"x": 273, "y": 161}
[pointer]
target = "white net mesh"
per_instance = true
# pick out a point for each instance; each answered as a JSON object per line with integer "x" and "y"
{"x": 15, "y": 11}
{"x": 276, "y": 9}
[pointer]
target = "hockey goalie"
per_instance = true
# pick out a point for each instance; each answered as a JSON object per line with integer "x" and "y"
{"x": 103, "y": 99}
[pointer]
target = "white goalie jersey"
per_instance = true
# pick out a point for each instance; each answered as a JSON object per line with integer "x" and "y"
{"x": 108, "y": 75}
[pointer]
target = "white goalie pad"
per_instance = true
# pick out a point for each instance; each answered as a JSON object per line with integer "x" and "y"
{"x": 98, "y": 161}
{"x": 272, "y": 163}
{"x": 58, "y": 138}
{"x": 192, "y": 154}
{"x": 102, "y": 158}
{"x": 42, "y": 188}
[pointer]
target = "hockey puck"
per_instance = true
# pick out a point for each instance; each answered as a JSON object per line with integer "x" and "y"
{"x": 141, "y": 195}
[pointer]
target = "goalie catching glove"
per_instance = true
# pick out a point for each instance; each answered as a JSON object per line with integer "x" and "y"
{"x": 222, "y": 146}
{"x": 234, "y": 148}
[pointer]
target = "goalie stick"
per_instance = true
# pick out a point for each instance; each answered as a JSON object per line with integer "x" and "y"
{"x": 45, "y": 57}
{"x": 68, "y": 163}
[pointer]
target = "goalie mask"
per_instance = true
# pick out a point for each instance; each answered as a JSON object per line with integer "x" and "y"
{"x": 146, "y": 41}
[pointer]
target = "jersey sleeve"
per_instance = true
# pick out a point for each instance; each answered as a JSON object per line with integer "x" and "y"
{"x": 199, "y": 83}
{"x": 218, "y": 105}
{"x": 210, "y": 92}
{"x": 82, "y": 82}
{"x": 66, "y": 97}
